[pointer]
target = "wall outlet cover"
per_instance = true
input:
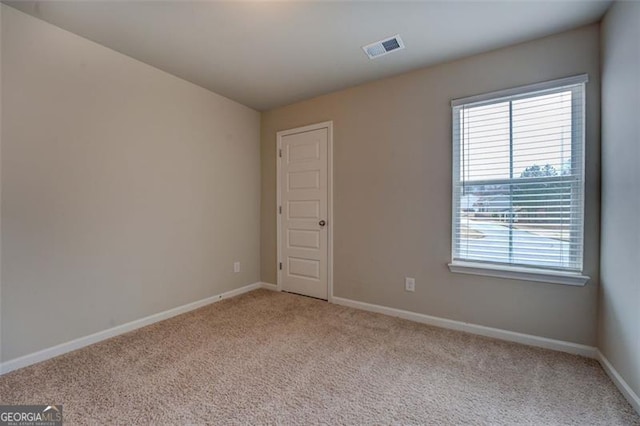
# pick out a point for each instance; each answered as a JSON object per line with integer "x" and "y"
{"x": 410, "y": 284}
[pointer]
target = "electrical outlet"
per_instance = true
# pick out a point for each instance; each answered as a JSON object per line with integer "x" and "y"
{"x": 236, "y": 267}
{"x": 409, "y": 284}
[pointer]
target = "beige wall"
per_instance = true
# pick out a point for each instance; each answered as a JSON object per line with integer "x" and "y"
{"x": 619, "y": 319}
{"x": 125, "y": 191}
{"x": 392, "y": 171}
{"x": 1, "y": 9}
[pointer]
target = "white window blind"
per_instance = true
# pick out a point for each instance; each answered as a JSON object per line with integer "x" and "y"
{"x": 518, "y": 177}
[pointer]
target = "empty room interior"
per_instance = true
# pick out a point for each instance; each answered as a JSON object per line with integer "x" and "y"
{"x": 318, "y": 212}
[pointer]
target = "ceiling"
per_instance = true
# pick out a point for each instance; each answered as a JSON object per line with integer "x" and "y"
{"x": 267, "y": 54}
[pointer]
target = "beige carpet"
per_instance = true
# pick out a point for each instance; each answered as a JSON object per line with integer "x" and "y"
{"x": 276, "y": 358}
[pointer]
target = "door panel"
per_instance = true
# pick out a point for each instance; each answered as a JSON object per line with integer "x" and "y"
{"x": 304, "y": 180}
{"x": 304, "y": 186}
{"x": 303, "y": 209}
{"x": 303, "y": 239}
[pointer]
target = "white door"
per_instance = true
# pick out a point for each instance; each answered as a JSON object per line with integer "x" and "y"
{"x": 304, "y": 221}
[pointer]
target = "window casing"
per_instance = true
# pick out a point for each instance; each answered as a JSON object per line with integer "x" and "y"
{"x": 518, "y": 181}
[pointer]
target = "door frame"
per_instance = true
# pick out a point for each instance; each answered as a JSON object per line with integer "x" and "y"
{"x": 324, "y": 125}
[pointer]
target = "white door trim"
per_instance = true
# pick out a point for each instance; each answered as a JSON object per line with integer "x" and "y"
{"x": 324, "y": 125}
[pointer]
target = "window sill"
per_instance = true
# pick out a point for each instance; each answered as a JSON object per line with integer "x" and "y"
{"x": 513, "y": 272}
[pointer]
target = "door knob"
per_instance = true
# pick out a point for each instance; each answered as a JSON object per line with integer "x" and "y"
{"x": 322, "y": 223}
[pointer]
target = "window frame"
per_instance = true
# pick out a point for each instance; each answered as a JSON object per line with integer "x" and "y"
{"x": 523, "y": 272}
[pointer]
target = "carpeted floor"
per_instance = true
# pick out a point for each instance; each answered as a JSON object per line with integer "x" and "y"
{"x": 276, "y": 358}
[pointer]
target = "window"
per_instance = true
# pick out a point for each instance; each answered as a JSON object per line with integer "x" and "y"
{"x": 518, "y": 182}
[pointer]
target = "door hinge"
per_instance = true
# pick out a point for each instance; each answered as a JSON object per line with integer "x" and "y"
{"x": 280, "y": 209}
{"x": 281, "y": 266}
{"x": 280, "y": 153}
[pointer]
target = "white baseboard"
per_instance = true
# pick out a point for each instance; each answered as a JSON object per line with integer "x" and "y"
{"x": 496, "y": 333}
{"x": 269, "y": 286}
{"x": 620, "y": 383}
{"x": 81, "y": 342}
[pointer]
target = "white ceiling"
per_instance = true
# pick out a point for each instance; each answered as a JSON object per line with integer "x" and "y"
{"x": 267, "y": 54}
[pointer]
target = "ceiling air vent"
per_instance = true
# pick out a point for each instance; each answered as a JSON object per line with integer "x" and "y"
{"x": 382, "y": 47}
